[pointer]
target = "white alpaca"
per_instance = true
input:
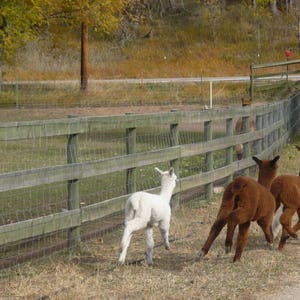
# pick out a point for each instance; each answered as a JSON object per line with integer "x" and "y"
{"x": 144, "y": 210}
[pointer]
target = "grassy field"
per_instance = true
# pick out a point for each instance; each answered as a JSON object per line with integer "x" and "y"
{"x": 91, "y": 273}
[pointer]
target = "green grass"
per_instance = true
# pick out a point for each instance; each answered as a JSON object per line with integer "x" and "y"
{"x": 37, "y": 153}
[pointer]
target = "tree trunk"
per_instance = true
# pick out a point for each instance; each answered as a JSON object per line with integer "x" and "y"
{"x": 1, "y": 70}
{"x": 299, "y": 31}
{"x": 84, "y": 57}
{"x": 274, "y": 9}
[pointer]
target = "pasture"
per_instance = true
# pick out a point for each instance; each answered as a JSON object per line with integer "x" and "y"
{"x": 91, "y": 273}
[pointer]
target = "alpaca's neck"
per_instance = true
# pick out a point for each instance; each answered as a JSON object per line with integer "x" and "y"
{"x": 166, "y": 191}
{"x": 266, "y": 180}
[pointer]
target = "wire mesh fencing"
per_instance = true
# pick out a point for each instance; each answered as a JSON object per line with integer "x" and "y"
{"x": 114, "y": 93}
{"x": 64, "y": 174}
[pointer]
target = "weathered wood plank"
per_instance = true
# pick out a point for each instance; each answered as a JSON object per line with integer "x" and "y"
{"x": 39, "y": 226}
{"x": 75, "y": 217}
{"x": 35, "y": 177}
{"x": 68, "y": 219}
{"x": 57, "y": 127}
{"x": 277, "y": 64}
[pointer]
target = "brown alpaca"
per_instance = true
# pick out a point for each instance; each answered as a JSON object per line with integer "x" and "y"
{"x": 239, "y": 148}
{"x": 245, "y": 200}
{"x": 286, "y": 190}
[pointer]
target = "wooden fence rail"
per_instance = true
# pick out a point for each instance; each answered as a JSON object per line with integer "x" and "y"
{"x": 275, "y": 122}
{"x": 278, "y": 75}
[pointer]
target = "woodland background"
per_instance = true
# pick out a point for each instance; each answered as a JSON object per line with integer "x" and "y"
{"x": 55, "y": 40}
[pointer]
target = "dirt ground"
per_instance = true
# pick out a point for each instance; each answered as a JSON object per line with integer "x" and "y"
{"x": 92, "y": 273}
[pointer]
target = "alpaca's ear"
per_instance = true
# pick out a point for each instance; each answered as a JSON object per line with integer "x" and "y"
{"x": 298, "y": 147}
{"x": 171, "y": 171}
{"x": 257, "y": 160}
{"x": 274, "y": 160}
{"x": 159, "y": 171}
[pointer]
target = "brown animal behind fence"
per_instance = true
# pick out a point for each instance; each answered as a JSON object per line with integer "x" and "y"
{"x": 239, "y": 148}
{"x": 245, "y": 200}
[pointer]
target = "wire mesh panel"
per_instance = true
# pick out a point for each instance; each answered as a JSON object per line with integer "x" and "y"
{"x": 32, "y": 153}
{"x": 116, "y": 93}
{"x": 63, "y": 179}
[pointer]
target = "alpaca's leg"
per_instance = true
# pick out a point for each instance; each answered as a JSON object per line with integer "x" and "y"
{"x": 241, "y": 240}
{"x": 296, "y": 227}
{"x": 164, "y": 227}
{"x": 266, "y": 226}
{"x": 286, "y": 219}
{"x": 214, "y": 232}
{"x": 238, "y": 216}
{"x": 276, "y": 226}
{"x": 131, "y": 226}
{"x": 229, "y": 236}
{"x": 225, "y": 209}
{"x": 124, "y": 245}
{"x": 149, "y": 245}
{"x": 283, "y": 239}
{"x": 285, "y": 236}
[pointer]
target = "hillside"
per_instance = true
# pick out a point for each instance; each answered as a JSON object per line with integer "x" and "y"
{"x": 196, "y": 41}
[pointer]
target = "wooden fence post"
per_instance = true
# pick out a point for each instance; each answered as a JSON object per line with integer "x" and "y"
{"x": 258, "y": 143}
{"x": 229, "y": 150}
{"x": 264, "y": 125}
{"x": 73, "y": 188}
{"x": 246, "y": 151}
{"x": 270, "y": 123}
{"x": 294, "y": 115}
{"x": 279, "y": 131}
{"x": 208, "y": 157}
{"x": 251, "y": 82}
{"x": 130, "y": 148}
{"x": 174, "y": 141}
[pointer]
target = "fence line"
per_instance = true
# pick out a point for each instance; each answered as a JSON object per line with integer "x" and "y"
{"x": 200, "y": 91}
{"x": 275, "y": 124}
{"x": 278, "y": 75}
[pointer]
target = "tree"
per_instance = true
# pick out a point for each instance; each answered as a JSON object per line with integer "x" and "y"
{"x": 102, "y": 16}
{"x": 20, "y": 21}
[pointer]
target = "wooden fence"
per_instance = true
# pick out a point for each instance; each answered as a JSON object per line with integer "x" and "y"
{"x": 261, "y": 74}
{"x": 275, "y": 123}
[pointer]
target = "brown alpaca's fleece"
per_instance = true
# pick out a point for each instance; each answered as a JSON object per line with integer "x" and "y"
{"x": 245, "y": 200}
{"x": 286, "y": 190}
{"x": 239, "y": 148}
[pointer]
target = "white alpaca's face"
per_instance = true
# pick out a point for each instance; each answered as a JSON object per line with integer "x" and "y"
{"x": 167, "y": 176}
{"x": 170, "y": 176}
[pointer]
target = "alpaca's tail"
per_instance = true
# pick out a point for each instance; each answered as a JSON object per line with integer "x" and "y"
{"x": 238, "y": 185}
{"x": 132, "y": 206}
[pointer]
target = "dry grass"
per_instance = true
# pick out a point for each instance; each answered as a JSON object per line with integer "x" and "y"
{"x": 92, "y": 273}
